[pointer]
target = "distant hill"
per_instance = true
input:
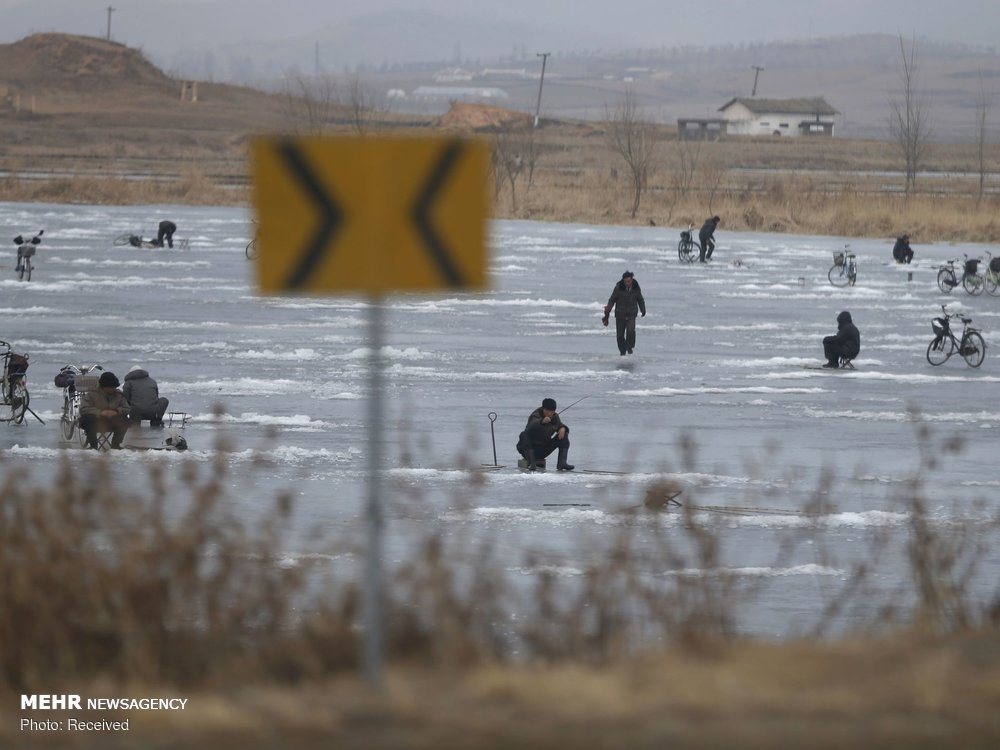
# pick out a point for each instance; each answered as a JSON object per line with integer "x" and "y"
{"x": 77, "y": 65}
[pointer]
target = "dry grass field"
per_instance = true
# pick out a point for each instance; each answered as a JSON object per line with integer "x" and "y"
{"x": 101, "y": 125}
{"x": 179, "y": 608}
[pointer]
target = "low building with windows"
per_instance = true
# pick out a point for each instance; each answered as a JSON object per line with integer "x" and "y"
{"x": 791, "y": 117}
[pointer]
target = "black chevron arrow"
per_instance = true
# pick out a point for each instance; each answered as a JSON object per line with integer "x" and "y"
{"x": 421, "y": 213}
{"x": 331, "y": 215}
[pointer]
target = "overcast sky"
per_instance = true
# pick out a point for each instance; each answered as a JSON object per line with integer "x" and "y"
{"x": 161, "y": 26}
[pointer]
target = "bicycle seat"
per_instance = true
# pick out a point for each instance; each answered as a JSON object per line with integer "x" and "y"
{"x": 965, "y": 319}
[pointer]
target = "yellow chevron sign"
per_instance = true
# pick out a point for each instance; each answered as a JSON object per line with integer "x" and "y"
{"x": 370, "y": 214}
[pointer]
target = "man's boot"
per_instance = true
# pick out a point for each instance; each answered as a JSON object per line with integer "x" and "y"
{"x": 529, "y": 456}
{"x": 561, "y": 464}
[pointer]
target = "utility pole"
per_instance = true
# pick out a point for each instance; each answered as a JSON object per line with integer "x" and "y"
{"x": 538, "y": 106}
{"x": 110, "y": 11}
{"x": 757, "y": 69}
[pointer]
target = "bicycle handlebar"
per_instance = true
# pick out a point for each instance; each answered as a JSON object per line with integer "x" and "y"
{"x": 82, "y": 369}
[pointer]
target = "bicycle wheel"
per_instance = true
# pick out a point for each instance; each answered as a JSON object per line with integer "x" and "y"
{"x": 67, "y": 422}
{"x": 946, "y": 280}
{"x": 251, "y": 251}
{"x": 30, "y": 269}
{"x": 852, "y": 274}
{"x": 19, "y": 403}
{"x": 122, "y": 239}
{"x": 973, "y": 349}
{"x": 838, "y": 276}
{"x": 23, "y": 270}
{"x": 973, "y": 283}
{"x": 939, "y": 350}
{"x": 991, "y": 284}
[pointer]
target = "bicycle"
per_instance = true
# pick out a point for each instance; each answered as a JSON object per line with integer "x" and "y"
{"x": 971, "y": 346}
{"x": 136, "y": 240}
{"x": 74, "y": 380}
{"x": 971, "y": 281}
{"x": 688, "y": 248}
{"x": 844, "y": 270}
{"x": 14, "y": 396}
{"x": 991, "y": 276}
{"x": 25, "y": 252}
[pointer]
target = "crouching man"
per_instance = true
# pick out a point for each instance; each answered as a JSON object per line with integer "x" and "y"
{"x": 143, "y": 396}
{"x": 104, "y": 410}
{"x": 543, "y": 434}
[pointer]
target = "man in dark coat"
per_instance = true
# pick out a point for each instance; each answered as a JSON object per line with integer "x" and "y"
{"x": 706, "y": 237}
{"x": 901, "y": 251}
{"x": 627, "y": 301}
{"x": 143, "y": 396}
{"x": 543, "y": 434}
{"x": 166, "y": 231}
{"x": 845, "y": 344}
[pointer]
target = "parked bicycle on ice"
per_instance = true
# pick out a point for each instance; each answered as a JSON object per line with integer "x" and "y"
{"x": 14, "y": 396}
{"x": 74, "y": 380}
{"x": 971, "y": 345}
{"x": 971, "y": 280}
{"x": 844, "y": 270}
{"x": 26, "y": 254}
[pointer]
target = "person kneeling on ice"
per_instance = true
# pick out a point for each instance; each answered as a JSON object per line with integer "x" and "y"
{"x": 627, "y": 301}
{"x": 845, "y": 344}
{"x": 104, "y": 410}
{"x": 543, "y": 434}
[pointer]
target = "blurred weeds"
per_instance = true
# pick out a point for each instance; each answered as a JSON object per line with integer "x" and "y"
{"x": 174, "y": 585}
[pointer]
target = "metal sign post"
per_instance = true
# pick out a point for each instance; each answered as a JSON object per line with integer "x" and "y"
{"x": 376, "y": 215}
{"x": 372, "y": 650}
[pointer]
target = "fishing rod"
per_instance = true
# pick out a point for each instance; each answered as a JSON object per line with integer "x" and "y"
{"x": 576, "y": 402}
{"x": 493, "y": 418}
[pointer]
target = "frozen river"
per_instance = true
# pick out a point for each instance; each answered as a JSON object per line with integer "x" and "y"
{"x": 717, "y": 397}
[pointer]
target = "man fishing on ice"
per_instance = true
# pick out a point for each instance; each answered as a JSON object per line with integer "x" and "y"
{"x": 543, "y": 434}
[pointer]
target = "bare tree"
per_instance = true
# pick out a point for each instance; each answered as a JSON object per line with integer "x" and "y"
{"x": 531, "y": 147}
{"x": 365, "y": 112}
{"x": 984, "y": 103}
{"x": 714, "y": 173}
{"x": 508, "y": 162}
{"x": 908, "y": 119}
{"x": 312, "y": 103}
{"x": 632, "y": 139}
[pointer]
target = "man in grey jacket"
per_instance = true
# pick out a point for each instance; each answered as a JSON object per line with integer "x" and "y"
{"x": 143, "y": 397}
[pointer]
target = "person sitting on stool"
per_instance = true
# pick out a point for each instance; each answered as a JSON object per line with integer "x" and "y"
{"x": 104, "y": 410}
{"x": 143, "y": 396}
{"x": 845, "y": 344}
{"x": 543, "y": 434}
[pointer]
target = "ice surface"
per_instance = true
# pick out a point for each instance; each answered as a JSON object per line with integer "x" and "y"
{"x": 717, "y": 396}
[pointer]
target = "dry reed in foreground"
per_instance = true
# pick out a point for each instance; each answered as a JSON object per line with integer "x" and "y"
{"x": 110, "y": 592}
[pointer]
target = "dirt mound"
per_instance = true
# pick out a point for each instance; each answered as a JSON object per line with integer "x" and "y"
{"x": 465, "y": 116}
{"x": 76, "y": 64}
